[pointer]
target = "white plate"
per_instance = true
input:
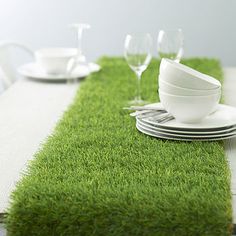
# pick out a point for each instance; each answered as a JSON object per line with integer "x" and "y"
{"x": 34, "y": 71}
{"x": 224, "y": 117}
{"x": 169, "y": 137}
{"x": 188, "y": 132}
{"x": 163, "y": 132}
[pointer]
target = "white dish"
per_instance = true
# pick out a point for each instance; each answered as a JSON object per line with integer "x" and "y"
{"x": 34, "y": 71}
{"x": 171, "y": 137}
{"x": 189, "y": 109}
{"x": 185, "y": 135}
{"x": 224, "y": 117}
{"x": 179, "y": 91}
{"x": 186, "y": 77}
{"x": 54, "y": 60}
{"x": 187, "y": 132}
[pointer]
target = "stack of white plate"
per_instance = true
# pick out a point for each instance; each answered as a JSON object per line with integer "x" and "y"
{"x": 217, "y": 126}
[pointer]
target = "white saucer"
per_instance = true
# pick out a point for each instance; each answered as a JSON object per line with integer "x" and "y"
{"x": 223, "y": 118}
{"x": 34, "y": 71}
{"x": 171, "y": 137}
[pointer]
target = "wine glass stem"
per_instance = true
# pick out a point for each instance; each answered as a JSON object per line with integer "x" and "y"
{"x": 138, "y": 95}
{"x": 79, "y": 34}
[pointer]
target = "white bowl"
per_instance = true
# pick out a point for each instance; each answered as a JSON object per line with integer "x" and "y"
{"x": 54, "y": 60}
{"x": 175, "y": 90}
{"x": 186, "y": 77}
{"x": 189, "y": 109}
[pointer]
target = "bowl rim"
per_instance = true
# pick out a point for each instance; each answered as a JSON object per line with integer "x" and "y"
{"x": 187, "y": 96}
{"x": 218, "y": 89}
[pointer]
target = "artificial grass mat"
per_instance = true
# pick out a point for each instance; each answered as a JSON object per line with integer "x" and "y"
{"x": 97, "y": 175}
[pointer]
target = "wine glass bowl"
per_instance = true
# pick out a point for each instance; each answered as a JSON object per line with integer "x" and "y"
{"x": 137, "y": 52}
{"x": 170, "y": 44}
{"x": 80, "y": 27}
{"x": 79, "y": 59}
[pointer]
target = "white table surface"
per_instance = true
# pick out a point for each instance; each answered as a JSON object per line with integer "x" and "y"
{"x": 29, "y": 111}
{"x": 230, "y": 145}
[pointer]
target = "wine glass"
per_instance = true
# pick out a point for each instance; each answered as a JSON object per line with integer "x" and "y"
{"x": 137, "y": 52}
{"x": 170, "y": 44}
{"x": 79, "y": 59}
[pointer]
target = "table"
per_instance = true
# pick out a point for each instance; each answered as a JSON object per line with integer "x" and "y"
{"x": 230, "y": 145}
{"x": 29, "y": 112}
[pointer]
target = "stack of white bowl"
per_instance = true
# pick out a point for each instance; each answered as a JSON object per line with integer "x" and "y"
{"x": 187, "y": 94}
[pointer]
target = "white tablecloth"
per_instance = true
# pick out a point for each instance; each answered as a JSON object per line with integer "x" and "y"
{"x": 29, "y": 111}
{"x": 230, "y": 146}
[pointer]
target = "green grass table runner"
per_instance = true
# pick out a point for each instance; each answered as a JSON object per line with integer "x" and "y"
{"x": 97, "y": 175}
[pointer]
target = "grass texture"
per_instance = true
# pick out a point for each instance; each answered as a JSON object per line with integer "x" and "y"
{"x": 97, "y": 175}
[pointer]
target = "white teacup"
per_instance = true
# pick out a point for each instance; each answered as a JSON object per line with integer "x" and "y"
{"x": 54, "y": 60}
